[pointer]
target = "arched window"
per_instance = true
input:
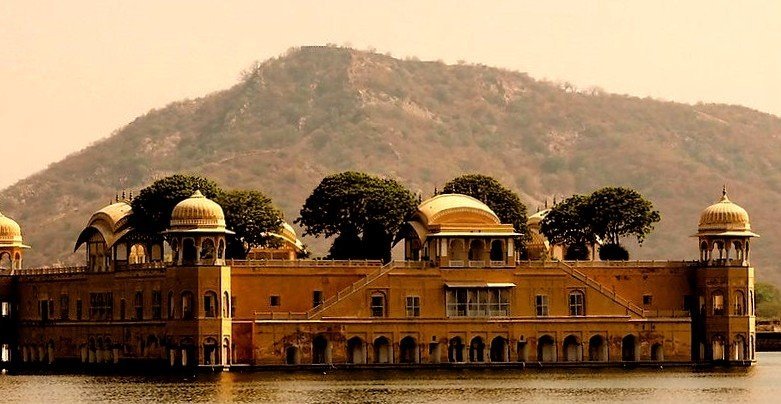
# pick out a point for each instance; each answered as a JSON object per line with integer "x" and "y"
{"x": 378, "y": 304}
{"x": 718, "y": 303}
{"x": 188, "y": 251}
{"x": 356, "y": 350}
{"x": 157, "y": 253}
{"x": 210, "y": 309}
{"x": 476, "y": 250}
{"x": 221, "y": 249}
{"x": 171, "y": 305}
{"x": 704, "y": 251}
{"x": 497, "y": 250}
{"x": 18, "y": 261}
{"x": 573, "y": 350}
{"x": 207, "y": 249}
{"x": 226, "y": 305}
{"x": 546, "y": 349}
{"x": 137, "y": 254}
{"x": 188, "y": 311}
{"x": 739, "y": 304}
{"x": 577, "y": 303}
{"x": 5, "y": 261}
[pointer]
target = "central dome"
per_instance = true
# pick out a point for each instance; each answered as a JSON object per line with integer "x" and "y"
{"x": 456, "y": 208}
{"x": 10, "y": 232}
{"x": 724, "y": 216}
{"x": 197, "y": 211}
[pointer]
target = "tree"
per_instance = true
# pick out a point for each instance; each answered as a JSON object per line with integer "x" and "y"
{"x": 617, "y": 212}
{"x": 249, "y": 213}
{"x": 606, "y": 215}
{"x": 768, "y": 300}
{"x": 252, "y": 216}
{"x": 504, "y": 202}
{"x": 153, "y": 206}
{"x": 568, "y": 222}
{"x": 357, "y": 206}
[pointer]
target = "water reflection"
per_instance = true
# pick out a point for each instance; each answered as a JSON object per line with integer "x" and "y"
{"x": 759, "y": 384}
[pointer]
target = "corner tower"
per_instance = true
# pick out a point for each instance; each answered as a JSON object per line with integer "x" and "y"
{"x": 199, "y": 285}
{"x": 725, "y": 283}
{"x": 11, "y": 244}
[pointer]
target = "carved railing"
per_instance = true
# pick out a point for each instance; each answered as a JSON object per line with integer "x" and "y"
{"x": 50, "y": 271}
{"x": 303, "y": 263}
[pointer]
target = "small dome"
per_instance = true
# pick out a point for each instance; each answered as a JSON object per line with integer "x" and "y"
{"x": 197, "y": 211}
{"x": 536, "y": 218}
{"x": 10, "y": 232}
{"x": 724, "y": 216}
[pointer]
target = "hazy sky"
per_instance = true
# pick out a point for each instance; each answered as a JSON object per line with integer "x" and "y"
{"x": 71, "y": 72}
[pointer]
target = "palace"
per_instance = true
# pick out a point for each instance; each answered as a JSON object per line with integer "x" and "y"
{"x": 461, "y": 296}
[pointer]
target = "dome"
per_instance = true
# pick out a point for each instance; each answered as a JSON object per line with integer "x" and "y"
{"x": 724, "y": 218}
{"x": 536, "y": 218}
{"x": 456, "y": 208}
{"x": 10, "y": 232}
{"x": 197, "y": 212}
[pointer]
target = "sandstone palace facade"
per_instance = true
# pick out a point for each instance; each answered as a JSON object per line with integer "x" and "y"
{"x": 460, "y": 296}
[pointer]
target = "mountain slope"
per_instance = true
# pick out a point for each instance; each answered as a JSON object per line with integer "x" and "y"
{"x": 316, "y": 111}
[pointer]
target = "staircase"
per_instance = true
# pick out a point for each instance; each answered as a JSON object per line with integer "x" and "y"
{"x": 610, "y": 294}
{"x": 350, "y": 290}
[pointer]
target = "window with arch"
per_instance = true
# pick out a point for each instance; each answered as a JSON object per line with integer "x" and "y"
{"x": 221, "y": 249}
{"x": 5, "y": 261}
{"x": 226, "y": 305}
{"x": 188, "y": 251}
{"x": 188, "y": 311}
{"x": 171, "y": 304}
{"x": 718, "y": 303}
{"x": 210, "y": 304}
{"x": 378, "y": 304}
{"x": 577, "y": 303}
{"x": 739, "y": 304}
{"x": 17, "y": 261}
{"x": 207, "y": 249}
{"x": 139, "y": 305}
{"x": 497, "y": 250}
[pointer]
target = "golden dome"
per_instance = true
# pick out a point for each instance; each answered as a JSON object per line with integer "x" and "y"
{"x": 724, "y": 216}
{"x": 10, "y": 232}
{"x": 198, "y": 212}
{"x": 536, "y": 218}
{"x": 456, "y": 208}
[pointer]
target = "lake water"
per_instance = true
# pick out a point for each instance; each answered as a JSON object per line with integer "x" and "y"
{"x": 762, "y": 383}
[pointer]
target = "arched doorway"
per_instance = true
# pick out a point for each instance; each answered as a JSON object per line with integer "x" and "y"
{"x": 356, "y": 351}
{"x": 500, "y": 351}
{"x": 477, "y": 350}
{"x": 292, "y": 355}
{"x": 657, "y": 352}
{"x": 382, "y": 350}
{"x": 211, "y": 352}
{"x": 546, "y": 349}
{"x": 497, "y": 251}
{"x": 523, "y": 351}
{"x": 717, "y": 348}
{"x": 408, "y": 348}
{"x": 629, "y": 348}
{"x": 455, "y": 350}
{"x": 321, "y": 350}
{"x": 739, "y": 348}
{"x": 597, "y": 349}
{"x": 573, "y": 351}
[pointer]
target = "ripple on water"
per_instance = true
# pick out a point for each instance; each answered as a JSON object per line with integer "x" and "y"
{"x": 759, "y": 384}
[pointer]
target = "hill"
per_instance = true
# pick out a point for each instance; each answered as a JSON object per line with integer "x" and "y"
{"x": 318, "y": 110}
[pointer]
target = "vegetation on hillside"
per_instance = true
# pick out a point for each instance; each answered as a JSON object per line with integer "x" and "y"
{"x": 313, "y": 112}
